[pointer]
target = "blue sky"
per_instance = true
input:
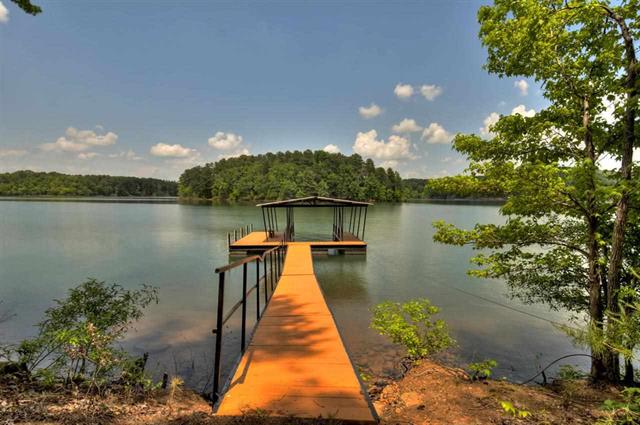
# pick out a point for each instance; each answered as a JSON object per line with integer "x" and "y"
{"x": 153, "y": 87}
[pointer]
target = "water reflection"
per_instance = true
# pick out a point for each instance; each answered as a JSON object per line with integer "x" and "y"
{"x": 48, "y": 247}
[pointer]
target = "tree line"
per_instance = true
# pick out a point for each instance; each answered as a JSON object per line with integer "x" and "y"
{"x": 285, "y": 175}
{"x": 31, "y": 183}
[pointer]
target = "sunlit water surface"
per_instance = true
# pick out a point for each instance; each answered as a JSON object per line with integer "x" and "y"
{"x": 48, "y": 247}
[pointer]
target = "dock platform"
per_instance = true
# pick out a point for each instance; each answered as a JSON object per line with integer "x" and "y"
{"x": 296, "y": 364}
{"x": 259, "y": 241}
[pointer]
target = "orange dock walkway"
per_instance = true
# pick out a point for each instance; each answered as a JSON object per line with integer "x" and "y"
{"x": 296, "y": 364}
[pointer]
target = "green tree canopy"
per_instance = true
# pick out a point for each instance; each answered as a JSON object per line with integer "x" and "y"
{"x": 563, "y": 242}
{"x": 31, "y": 183}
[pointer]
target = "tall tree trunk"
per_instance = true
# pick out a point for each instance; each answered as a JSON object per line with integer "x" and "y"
{"x": 596, "y": 313}
{"x": 622, "y": 207}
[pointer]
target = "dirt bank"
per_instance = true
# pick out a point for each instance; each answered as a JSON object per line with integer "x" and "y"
{"x": 428, "y": 394}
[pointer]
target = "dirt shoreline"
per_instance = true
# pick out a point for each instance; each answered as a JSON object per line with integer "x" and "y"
{"x": 430, "y": 393}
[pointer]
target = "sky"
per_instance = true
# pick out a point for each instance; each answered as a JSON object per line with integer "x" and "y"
{"x": 149, "y": 88}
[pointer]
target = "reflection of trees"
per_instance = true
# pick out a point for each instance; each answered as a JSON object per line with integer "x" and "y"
{"x": 342, "y": 278}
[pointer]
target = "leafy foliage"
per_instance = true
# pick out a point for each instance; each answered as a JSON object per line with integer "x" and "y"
{"x": 292, "y": 174}
{"x": 568, "y": 239}
{"x": 482, "y": 370}
{"x": 567, "y": 372}
{"x": 625, "y": 412}
{"x": 509, "y": 408}
{"x": 31, "y": 183}
{"x": 28, "y": 7}
{"x": 410, "y": 324}
{"x": 76, "y": 341}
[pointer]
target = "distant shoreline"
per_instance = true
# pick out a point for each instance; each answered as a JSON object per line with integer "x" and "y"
{"x": 114, "y": 199}
{"x": 194, "y": 201}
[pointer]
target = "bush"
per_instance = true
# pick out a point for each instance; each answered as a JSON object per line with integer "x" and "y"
{"x": 76, "y": 341}
{"x": 626, "y": 412}
{"x": 570, "y": 373}
{"x": 482, "y": 370}
{"x": 410, "y": 324}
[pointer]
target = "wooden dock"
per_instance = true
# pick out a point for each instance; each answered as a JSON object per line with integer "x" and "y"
{"x": 296, "y": 364}
{"x": 259, "y": 241}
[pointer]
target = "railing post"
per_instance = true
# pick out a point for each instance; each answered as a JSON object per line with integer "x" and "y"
{"x": 266, "y": 299}
{"x": 216, "y": 365}
{"x": 244, "y": 307}
{"x": 272, "y": 274}
{"x": 279, "y": 262}
{"x": 257, "y": 289}
{"x": 228, "y": 240}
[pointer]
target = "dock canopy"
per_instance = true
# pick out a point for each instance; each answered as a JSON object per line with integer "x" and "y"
{"x": 349, "y": 217}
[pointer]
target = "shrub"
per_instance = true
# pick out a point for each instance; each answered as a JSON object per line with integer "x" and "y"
{"x": 410, "y": 324}
{"x": 626, "y": 412}
{"x": 512, "y": 410}
{"x": 482, "y": 370}
{"x": 76, "y": 341}
{"x": 570, "y": 373}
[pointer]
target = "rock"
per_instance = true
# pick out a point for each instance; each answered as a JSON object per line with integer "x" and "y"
{"x": 411, "y": 399}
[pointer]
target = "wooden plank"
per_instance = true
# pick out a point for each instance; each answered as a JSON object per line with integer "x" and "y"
{"x": 296, "y": 363}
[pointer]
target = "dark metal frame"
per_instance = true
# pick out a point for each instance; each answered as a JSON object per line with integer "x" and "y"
{"x": 273, "y": 260}
{"x": 343, "y": 210}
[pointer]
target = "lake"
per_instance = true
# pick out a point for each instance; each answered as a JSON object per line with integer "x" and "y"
{"x": 48, "y": 247}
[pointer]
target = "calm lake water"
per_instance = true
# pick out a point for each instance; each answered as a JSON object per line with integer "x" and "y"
{"x": 48, "y": 247}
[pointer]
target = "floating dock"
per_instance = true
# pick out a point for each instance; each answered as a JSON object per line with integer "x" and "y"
{"x": 296, "y": 364}
{"x": 258, "y": 241}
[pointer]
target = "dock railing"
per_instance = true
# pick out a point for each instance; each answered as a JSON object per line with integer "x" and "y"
{"x": 238, "y": 233}
{"x": 273, "y": 260}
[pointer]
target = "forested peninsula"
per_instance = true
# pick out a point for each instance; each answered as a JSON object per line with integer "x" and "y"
{"x": 285, "y": 175}
{"x": 32, "y": 183}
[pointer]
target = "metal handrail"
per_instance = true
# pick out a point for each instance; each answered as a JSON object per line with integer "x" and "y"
{"x": 273, "y": 260}
{"x": 242, "y": 231}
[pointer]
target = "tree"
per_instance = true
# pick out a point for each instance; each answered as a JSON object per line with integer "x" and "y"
{"x": 77, "y": 340}
{"x": 564, "y": 238}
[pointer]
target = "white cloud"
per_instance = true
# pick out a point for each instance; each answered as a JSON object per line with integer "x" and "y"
{"x": 396, "y": 148}
{"x": 392, "y": 163}
{"x": 403, "y": 91}
{"x": 522, "y": 86}
{"x": 225, "y": 141}
{"x": 430, "y": 91}
{"x": 406, "y": 126}
{"x": 128, "y": 155}
{"x": 171, "y": 151}
{"x": 370, "y": 111}
{"x": 608, "y": 162}
{"x": 4, "y": 13}
{"x": 64, "y": 145}
{"x": 435, "y": 133}
{"x": 610, "y": 106}
{"x": 87, "y": 155}
{"x": 6, "y": 153}
{"x": 331, "y": 148}
{"x": 89, "y": 137}
{"x": 491, "y": 119}
{"x": 238, "y": 152}
{"x": 522, "y": 110}
{"x": 76, "y": 140}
